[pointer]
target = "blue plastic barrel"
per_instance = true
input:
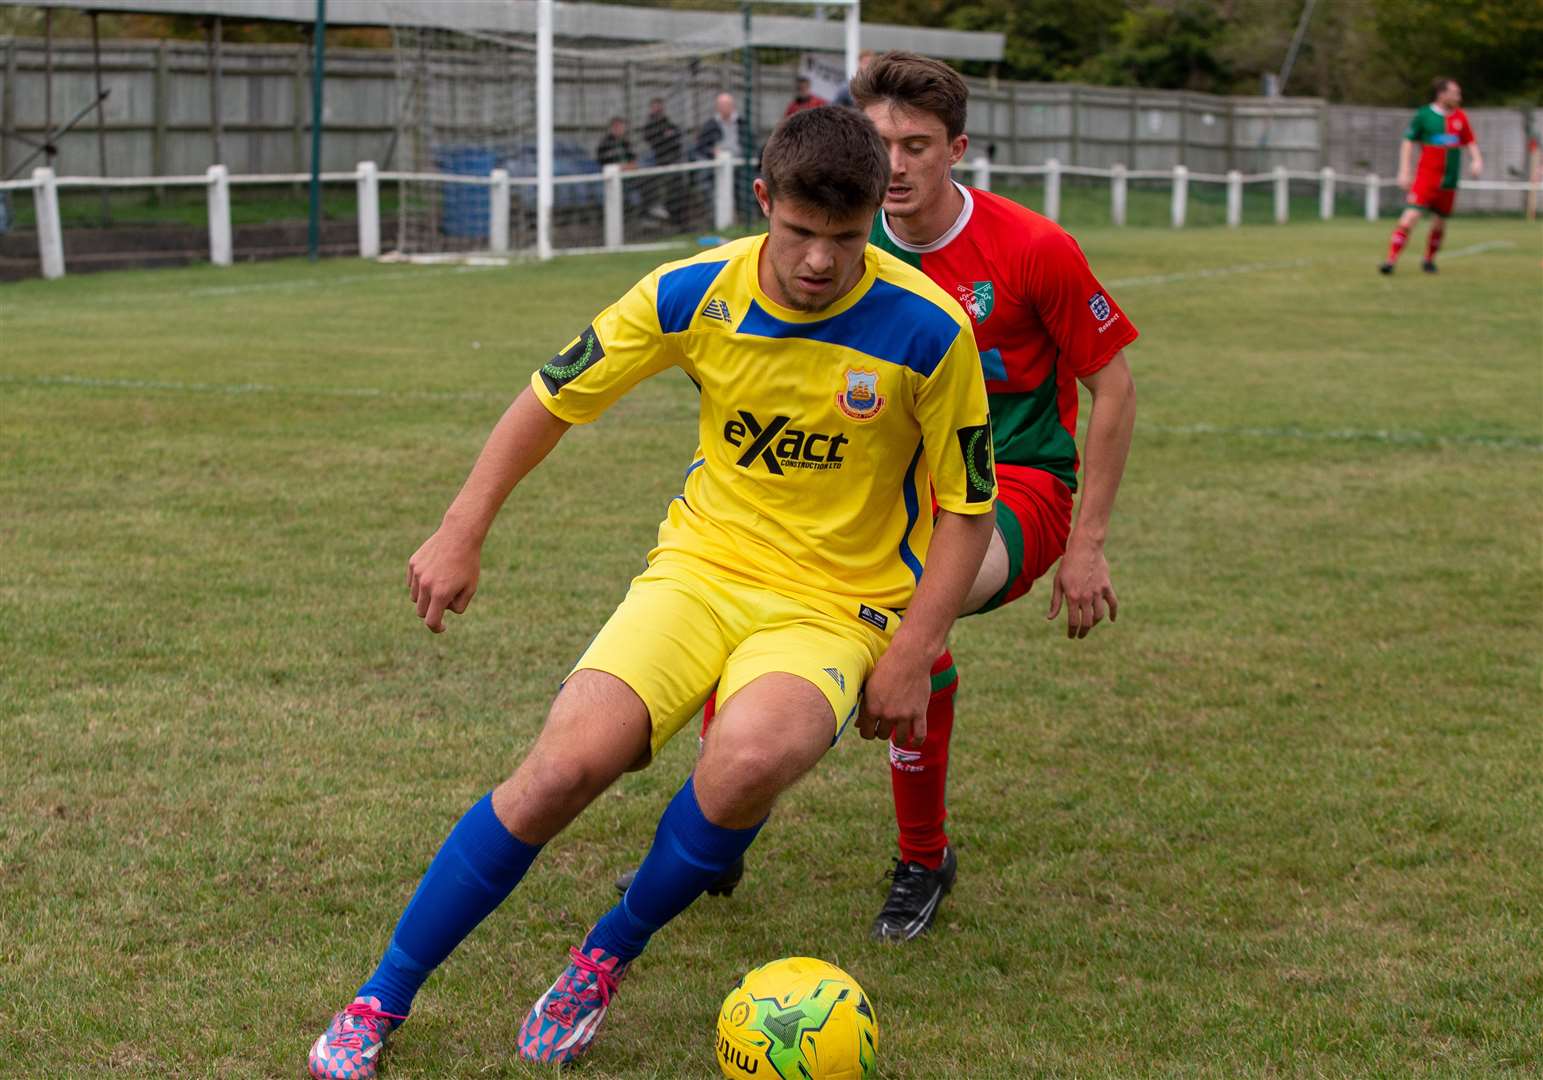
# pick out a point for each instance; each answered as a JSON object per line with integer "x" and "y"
{"x": 464, "y": 208}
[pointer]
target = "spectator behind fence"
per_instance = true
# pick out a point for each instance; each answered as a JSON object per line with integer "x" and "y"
{"x": 666, "y": 194}
{"x": 803, "y": 98}
{"x": 726, "y": 128}
{"x": 615, "y": 148}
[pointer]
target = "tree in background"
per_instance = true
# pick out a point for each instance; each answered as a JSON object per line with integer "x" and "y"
{"x": 1376, "y": 52}
{"x": 1177, "y": 46}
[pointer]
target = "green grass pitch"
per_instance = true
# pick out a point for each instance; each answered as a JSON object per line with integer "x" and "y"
{"x": 1283, "y": 819}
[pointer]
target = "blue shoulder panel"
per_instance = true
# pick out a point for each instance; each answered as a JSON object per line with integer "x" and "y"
{"x": 681, "y": 291}
{"x": 889, "y": 323}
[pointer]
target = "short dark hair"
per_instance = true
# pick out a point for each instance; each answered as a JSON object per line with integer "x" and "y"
{"x": 916, "y": 82}
{"x": 1439, "y": 84}
{"x": 828, "y": 158}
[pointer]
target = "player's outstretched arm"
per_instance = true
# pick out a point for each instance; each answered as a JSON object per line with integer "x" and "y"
{"x": 442, "y": 574}
{"x": 1082, "y": 580}
{"x": 895, "y": 697}
{"x": 1405, "y": 155}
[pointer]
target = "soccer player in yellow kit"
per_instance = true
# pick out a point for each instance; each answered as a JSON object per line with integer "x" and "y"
{"x": 835, "y": 381}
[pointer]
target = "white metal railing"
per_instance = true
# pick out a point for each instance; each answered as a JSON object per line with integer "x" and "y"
{"x": 45, "y": 188}
{"x": 217, "y": 181}
{"x": 982, "y": 171}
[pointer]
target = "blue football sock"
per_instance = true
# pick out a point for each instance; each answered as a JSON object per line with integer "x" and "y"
{"x": 689, "y": 853}
{"x": 478, "y": 865}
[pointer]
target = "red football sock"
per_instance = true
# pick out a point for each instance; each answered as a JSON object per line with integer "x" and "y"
{"x": 1433, "y": 245}
{"x": 919, "y": 774}
{"x": 1400, "y": 238}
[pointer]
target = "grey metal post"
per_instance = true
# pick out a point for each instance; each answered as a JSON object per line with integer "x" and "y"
{"x": 297, "y": 129}
{"x": 1135, "y": 124}
{"x": 162, "y": 108}
{"x": 1076, "y": 133}
{"x": 216, "y": 67}
{"x": 319, "y": 39}
{"x": 1183, "y": 130}
{"x": 101, "y": 122}
{"x": 1117, "y": 194}
{"x": 48, "y": 83}
{"x": 7, "y": 108}
{"x": 747, "y": 141}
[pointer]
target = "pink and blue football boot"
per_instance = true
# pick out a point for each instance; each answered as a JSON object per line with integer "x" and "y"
{"x": 350, "y": 1047}
{"x": 566, "y": 1019}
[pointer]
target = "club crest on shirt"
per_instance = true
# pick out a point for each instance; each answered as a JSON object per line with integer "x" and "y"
{"x": 977, "y": 299}
{"x": 1098, "y": 304}
{"x": 861, "y": 399}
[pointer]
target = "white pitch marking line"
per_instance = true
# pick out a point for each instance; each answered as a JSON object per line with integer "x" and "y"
{"x": 1478, "y": 249}
{"x": 1209, "y": 272}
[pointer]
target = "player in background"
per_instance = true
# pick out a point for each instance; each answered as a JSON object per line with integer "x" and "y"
{"x": 1043, "y": 323}
{"x": 835, "y": 382}
{"x": 1440, "y": 130}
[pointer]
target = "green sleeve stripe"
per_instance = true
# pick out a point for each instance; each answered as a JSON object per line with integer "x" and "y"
{"x": 945, "y": 678}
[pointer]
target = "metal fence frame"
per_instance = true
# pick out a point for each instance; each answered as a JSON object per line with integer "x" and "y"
{"x": 217, "y": 181}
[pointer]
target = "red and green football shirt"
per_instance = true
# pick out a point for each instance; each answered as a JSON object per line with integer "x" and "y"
{"x": 1041, "y": 320}
{"x": 1441, "y": 137}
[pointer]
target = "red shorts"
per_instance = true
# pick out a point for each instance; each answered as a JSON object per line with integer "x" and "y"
{"x": 1436, "y": 200}
{"x": 1034, "y": 515}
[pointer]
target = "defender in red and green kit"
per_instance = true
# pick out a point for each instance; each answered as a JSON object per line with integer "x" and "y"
{"x": 1440, "y": 130}
{"x": 1043, "y": 324}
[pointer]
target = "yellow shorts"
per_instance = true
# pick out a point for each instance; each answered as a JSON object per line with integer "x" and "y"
{"x": 683, "y": 629}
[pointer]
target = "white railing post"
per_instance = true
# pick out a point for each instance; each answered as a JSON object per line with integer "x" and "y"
{"x": 498, "y": 212}
{"x": 1180, "y": 196}
{"x": 1326, "y": 193}
{"x": 723, "y": 188}
{"x": 1373, "y": 196}
{"x": 368, "y": 182}
{"x": 545, "y": 97}
{"x": 982, "y": 168}
{"x": 1282, "y": 196}
{"x": 1053, "y": 189}
{"x": 45, "y": 202}
{"x": 1234, "y": 198}
{"x": 1117, "y": 183}
{"x": 612, "y": 186}
{"x": 219, "y": 215}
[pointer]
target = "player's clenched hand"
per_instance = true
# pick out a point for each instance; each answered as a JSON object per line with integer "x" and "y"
{"x": 1082, "y": 581}
{"x": 895, "y": 700}
{"x": 442, "y": 575}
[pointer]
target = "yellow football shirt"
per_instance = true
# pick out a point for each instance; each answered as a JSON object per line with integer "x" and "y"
{"x": 818, "y": 431}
